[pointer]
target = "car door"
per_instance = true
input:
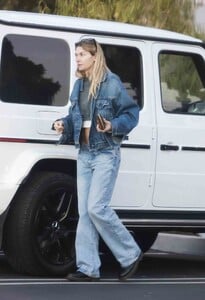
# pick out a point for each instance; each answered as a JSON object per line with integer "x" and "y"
{"x": 130, "y": 60}
{"x": 35, "y": 77}
{"x": 179, "y": 72}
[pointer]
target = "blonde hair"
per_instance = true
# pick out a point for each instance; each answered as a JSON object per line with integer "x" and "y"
{"x": 99, "y": 67}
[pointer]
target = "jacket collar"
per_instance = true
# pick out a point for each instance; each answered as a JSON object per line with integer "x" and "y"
{"x": 105, "y": 75}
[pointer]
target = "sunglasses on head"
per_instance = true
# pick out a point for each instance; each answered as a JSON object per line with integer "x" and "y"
{"x": 87, "y": 41}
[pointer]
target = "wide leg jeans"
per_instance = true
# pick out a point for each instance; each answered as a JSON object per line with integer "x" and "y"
{"x": 96, "y": 176}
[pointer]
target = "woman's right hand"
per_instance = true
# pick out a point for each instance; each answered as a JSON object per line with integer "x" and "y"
{"x": 58, "y": 126}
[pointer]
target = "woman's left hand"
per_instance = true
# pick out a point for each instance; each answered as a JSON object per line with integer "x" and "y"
{"x": 108, "y": 126}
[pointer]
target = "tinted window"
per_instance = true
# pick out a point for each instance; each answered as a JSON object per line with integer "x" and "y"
{"x": 126, "y": 62}
{"x": 182, "y": 78}
{"x": 34, "y": 70}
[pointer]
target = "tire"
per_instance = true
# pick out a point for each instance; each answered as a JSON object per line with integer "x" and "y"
{"x": 39, "y": 232}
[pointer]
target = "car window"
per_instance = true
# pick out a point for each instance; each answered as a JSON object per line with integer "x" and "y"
{"x": 182, "y": 79}
{"x": 126, "y": 62}
{"x": 34, "y": 70}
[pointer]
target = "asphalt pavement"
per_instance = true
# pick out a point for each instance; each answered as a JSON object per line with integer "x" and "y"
{"x": 160, "y": 276}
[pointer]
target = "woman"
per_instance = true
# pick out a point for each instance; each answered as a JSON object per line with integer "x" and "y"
{"x": 98, "y": 91}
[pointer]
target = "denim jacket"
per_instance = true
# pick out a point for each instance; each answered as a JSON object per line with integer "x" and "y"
{"x": 113, "y": 103}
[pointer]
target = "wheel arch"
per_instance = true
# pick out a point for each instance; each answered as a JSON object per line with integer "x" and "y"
{"x": 66, "y": 166}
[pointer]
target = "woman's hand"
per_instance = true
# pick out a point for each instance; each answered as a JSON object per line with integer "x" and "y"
{"x": 108, "y": 126}
{"x": 58, "y": 126}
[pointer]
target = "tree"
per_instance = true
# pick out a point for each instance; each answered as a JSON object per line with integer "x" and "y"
{"x": 22, "y": 5}
{"x": 176, "y": 15}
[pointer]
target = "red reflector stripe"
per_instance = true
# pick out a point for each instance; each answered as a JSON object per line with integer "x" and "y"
{"x": 12, "y": 140}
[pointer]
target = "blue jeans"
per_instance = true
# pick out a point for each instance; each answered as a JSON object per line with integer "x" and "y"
{"x": 96, "y": 176}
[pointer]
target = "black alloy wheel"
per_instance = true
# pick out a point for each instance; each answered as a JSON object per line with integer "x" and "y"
{"x": 40, "y": 228}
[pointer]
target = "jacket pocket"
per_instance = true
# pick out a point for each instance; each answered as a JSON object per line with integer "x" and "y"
{"x": 104, "y": 107}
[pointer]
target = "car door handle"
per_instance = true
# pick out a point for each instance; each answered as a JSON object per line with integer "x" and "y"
{"x": 165, "y": 147}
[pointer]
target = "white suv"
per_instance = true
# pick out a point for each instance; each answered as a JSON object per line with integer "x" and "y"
{"x": 161, "y": 181}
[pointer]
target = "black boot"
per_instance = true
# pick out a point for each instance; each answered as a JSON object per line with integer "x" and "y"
{"x": 81, "y": 277}
{"x": 127, "y": 272}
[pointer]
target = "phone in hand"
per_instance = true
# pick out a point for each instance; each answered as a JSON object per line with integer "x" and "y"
{"x": 100, "y": 122}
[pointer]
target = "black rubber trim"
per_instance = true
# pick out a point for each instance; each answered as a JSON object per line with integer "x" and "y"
{"x": 42, "y": 142}
{"x": 165, "y": 147}
{"x": 160, "y": 214}
{"x": 39, "y": 141}
{"x": 25, "y": 140}
{"x": 188, "y": 148}
{"x": 136, "y": 146}
{"x": 163, "y": 220}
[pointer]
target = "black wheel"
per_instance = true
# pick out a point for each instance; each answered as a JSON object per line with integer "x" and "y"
{"x": 39, "y": 232}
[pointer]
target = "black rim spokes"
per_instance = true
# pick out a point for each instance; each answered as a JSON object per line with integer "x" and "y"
{"x": 55, "y": 227}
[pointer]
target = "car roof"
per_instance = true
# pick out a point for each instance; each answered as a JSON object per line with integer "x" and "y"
{"x": 92, "y": 26}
